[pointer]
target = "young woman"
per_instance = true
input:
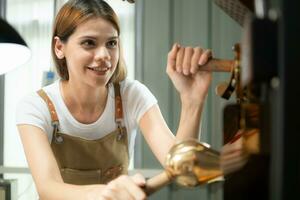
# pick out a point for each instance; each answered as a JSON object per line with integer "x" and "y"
{"x": 78, "y": 133}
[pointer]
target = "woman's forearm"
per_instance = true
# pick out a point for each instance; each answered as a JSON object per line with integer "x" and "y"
{"x": 62, "y": 191}
{"x": 189, "y": 119}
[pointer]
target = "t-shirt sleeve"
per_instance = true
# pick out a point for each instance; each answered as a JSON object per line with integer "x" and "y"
{"x": 32, "y": 110}
{"x": 139, "y": 99}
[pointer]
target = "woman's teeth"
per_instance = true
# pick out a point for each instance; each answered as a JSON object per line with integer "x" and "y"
{"x": 100, "y": 69}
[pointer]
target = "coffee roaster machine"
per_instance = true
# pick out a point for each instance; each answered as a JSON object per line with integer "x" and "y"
{"x": 266, "y": 99}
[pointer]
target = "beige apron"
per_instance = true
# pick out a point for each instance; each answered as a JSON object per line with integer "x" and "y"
{"x": 82, "y": 161}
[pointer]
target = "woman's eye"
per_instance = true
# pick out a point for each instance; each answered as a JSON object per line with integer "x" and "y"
{"x": 112, "y": 44}
{"x": 88, "y": 43}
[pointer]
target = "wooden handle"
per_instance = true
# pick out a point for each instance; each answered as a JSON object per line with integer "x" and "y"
{"x": 157, "y": 182}
{"x": 218, "y": 65}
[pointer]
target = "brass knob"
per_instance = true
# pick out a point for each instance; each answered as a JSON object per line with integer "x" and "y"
{"x": 189, "y": 163}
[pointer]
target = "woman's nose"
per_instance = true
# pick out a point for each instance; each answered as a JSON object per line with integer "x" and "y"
{"x": 102, "y": 54}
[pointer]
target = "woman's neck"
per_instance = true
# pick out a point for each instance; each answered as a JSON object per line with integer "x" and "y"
{"x": 85, "y": 103}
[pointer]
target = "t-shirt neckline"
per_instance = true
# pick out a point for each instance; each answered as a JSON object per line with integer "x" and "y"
{"x": 73, "y": 120}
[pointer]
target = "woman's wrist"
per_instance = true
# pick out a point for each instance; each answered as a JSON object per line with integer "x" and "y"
{"x": 189, "y": 101}
{"x": 191, "y": 109}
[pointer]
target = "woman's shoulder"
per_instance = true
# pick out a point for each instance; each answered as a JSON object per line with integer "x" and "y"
{"x": 131, "y": 85}
{"x": 33, "y": 99}
{"x": 126, "y": 86}
{"x": 33, "y": 110}
{"x": 30, "y": 108}
{"x": 137, "y": 98}
{"x": 134, "y": 89}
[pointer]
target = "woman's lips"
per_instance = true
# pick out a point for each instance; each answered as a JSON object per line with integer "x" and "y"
{"x": 99, "y": 70}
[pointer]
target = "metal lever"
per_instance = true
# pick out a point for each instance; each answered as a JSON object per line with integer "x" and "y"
{"x": 218, "y": 65}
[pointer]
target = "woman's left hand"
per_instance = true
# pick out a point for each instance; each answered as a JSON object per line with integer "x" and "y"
{"x": 183, "y": 69}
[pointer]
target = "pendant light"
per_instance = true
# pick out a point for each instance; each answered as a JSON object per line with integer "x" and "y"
{"x": 14, "y": 51}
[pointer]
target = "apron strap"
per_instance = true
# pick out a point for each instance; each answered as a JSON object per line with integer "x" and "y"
{"x": 54, "y": 118}
{"x": 118, "y": 109}
{"x": 50, "y": 105}
{"x": 118, "y": 103}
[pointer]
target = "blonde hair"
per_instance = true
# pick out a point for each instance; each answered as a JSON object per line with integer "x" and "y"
{"x": 75, "y": 12}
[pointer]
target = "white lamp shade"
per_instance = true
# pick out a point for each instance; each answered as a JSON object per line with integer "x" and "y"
{"x": 13, "y": 49}
{"x": 13, "y": 55}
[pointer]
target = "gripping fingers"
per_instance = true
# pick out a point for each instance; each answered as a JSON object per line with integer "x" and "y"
{"x": 186, "y": 66}
{"x": 139, "y": 180}
{"x": 124, "y": 188}
{"x": 116, "y": 190}
{"x": 132, "y": 188}
{"x": 205, "y": 56}
{"x": 186, "y": 60}
{"x": 194, "y": 63}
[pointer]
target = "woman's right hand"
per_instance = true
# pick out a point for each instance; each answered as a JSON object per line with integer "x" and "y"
{"x": 183, "y": 68}
{"x": 124, "y": 188}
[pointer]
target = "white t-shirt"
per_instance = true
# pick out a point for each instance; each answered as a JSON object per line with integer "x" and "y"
{"x": 136, "y": 99}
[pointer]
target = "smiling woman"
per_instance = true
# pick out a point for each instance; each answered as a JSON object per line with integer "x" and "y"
{"x": 83, "y": 125}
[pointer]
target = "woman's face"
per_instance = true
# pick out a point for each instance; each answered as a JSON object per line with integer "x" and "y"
{"x": 91, "y": 52}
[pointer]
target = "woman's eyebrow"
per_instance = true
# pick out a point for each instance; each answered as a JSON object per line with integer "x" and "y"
{"x": 113, "y": 38}
{"x": 87, "y": 37}
{"x": 95, "y": 37}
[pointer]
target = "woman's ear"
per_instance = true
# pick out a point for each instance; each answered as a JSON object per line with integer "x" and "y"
{"x": 58, "y": 48}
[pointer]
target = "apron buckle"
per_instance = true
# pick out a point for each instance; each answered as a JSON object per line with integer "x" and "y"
{"x": 121, "y": 132}
{"x": 57, "y": 138}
